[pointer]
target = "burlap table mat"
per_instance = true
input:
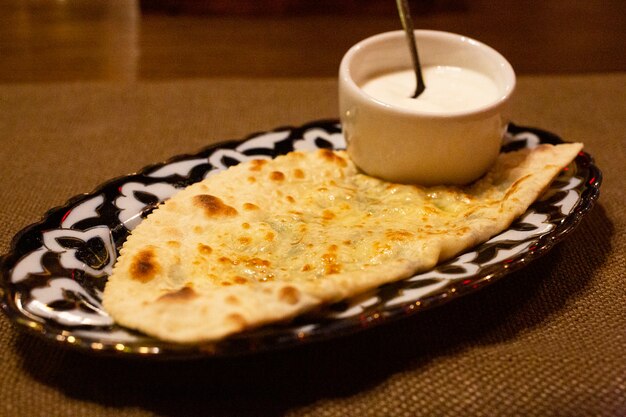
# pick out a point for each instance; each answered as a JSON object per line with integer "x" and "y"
{"x": 549, "y": 340}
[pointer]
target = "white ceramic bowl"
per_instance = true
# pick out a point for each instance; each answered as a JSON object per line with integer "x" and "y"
{"x": 411, "y": 146}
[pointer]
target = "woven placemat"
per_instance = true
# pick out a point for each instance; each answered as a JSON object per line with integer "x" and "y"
{"x": 549, "y": 340}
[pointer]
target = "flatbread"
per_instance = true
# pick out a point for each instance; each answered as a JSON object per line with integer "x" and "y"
{"x": 265, "y": 240}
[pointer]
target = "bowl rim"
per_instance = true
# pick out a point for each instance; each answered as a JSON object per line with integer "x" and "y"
{"x": 346, "y": 80}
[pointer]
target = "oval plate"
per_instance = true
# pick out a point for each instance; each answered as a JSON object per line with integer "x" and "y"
{"x": 52, "y": 279}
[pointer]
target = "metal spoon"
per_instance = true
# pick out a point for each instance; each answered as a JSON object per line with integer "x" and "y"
{"x": 407, "y": 24}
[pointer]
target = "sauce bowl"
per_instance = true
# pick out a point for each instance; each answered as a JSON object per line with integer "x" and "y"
{"x": 405, "y": 145}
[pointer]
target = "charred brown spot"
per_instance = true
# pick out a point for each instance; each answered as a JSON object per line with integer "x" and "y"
{"x": 307, "y": 267}
{"x": 237, "y": 320}
{"x": 269, "y": 236}
{"x": 250, "y": 206}
{"x": 239, "y": 280}
{"x": 173, "y": 243}
{"x": 226, "y": 260}
{"x": 277, "y": 176}
{"x": 289, "y": 295}
{"x": 257, "y": 164}
{"x": 291, "y": 199}
{"x": 332, "y": 269}
{"x": 332, "y": 248}
{"x": 251, "y": 180}
{"x": 245, "y": 240}
{"x": 144, "y": 266}
{"x": 298, "y": 173}
{"x": 328, "y": 215}
{"x": 257, "y": 262}
{"x": 332, "y": 157}
{"x": 245, "y": 225}
{"x": 184, "y": 294}
{"x": 213, "y": 206}
{"x": 329, "y": 260}
{"x": 204, "y": 249}
{"x": 398, "y": 235}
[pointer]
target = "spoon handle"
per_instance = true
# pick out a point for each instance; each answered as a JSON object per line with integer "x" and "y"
{"x": 407, "y": 24}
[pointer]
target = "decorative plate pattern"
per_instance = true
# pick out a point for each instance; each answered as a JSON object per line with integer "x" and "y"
{"x": 52, "y": 280}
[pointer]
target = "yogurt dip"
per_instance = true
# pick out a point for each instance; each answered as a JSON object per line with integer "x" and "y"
{"x": 448, "y": 89}
{"x": 455, "y": 133}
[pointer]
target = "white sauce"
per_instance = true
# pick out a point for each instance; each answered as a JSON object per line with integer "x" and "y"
{"x": 448, "y": 89}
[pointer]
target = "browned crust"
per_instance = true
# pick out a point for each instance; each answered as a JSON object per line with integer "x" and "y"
{"x": 213, "y": 206}
{"x": 332, "y": 157}
{"x": 289, "y": 295}
{"x": 144, "y": 266}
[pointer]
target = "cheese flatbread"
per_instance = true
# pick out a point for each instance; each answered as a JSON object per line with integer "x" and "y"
{"x": 265, "y": 240}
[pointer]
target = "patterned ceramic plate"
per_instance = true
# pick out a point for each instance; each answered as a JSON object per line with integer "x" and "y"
{"x": 52, "y": 280}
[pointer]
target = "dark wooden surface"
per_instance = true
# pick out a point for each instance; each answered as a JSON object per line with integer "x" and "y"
{"x": 51, "y": 40}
